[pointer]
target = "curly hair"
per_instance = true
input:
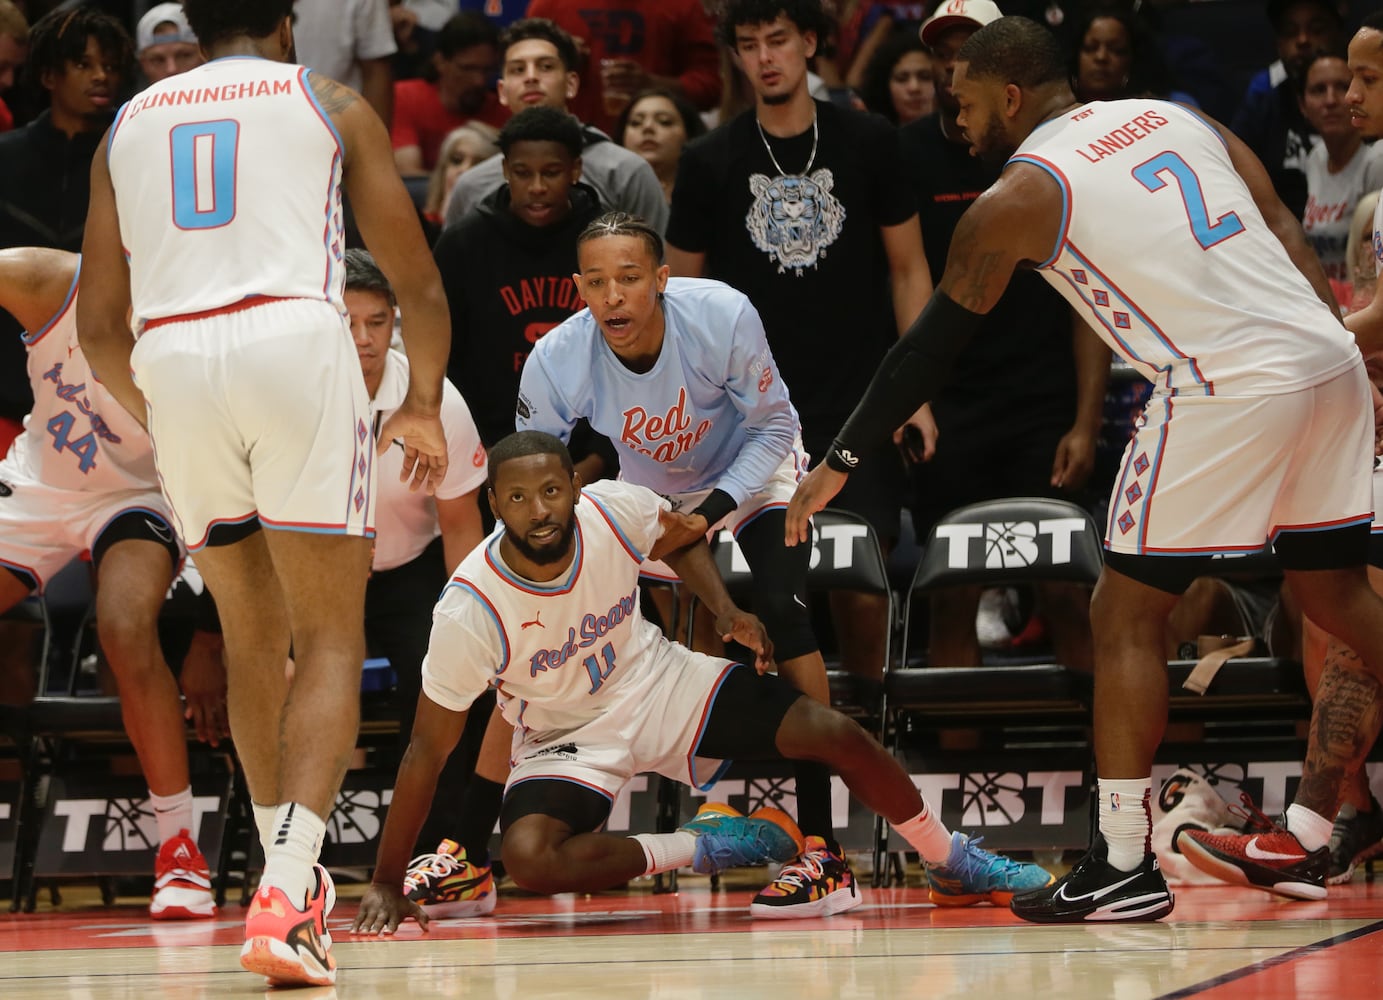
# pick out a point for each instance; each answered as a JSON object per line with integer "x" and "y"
{"x": 213, "y": 20}
{"x": 60, "y": 37}
{"x": 808, "y": 15}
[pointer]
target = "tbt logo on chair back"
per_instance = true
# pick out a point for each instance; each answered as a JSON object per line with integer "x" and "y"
{"x": 845, "y": 554}
{"x": 1025, "y": 537}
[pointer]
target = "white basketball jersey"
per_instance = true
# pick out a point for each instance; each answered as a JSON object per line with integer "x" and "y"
{"x": 228, "y": 184}
{"x": 558, "y": 652}
{"x": 77, "y": 436}
{"x": 1164, "y": 252}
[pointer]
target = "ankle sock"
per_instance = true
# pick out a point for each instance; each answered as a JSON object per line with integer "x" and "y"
{"x": 927, "y": 834}
{"x": 173, "y": 814}
{"x": 665, "y": 851}
{"x": 1310, "y": 828}
{"x": 264, "y": 824}
{"x": 297, "y": 840}
{"x": 1125, "y": 820}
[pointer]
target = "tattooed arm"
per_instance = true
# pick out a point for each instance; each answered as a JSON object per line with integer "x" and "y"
{"x": 1017, "y": 220}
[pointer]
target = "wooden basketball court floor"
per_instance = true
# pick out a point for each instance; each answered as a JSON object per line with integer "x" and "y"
{"x": 1219, "y": 943}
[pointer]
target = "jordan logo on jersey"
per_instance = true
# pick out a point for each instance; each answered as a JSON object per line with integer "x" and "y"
{"x": 794, "y": 219}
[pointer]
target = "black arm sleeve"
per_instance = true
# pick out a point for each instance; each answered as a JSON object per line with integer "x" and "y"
{"x": 912, "y": 372}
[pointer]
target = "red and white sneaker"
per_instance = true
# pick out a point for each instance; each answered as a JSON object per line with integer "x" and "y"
{"x": 288, "y": 944}
{"x": 1273, "y": 861}
{"x": 182, "y": 882}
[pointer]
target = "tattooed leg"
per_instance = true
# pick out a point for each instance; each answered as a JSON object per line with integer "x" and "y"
{"x": 1344, "y": 724}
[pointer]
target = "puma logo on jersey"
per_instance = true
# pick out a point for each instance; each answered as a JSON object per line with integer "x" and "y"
{"x": 537, "y": 621}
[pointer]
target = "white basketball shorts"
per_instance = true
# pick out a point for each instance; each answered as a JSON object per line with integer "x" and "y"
{"x": 1205, "y": 474}
{"x": 652, "y": 725}
{"x": 260, "y": 412}
{"x": 42, "y": 529}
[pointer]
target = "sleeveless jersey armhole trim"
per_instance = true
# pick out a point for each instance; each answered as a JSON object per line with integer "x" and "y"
{"x": 1198, "y": 116}
{"x": 30, "y": 339}
{"x": 1065, "y": 186}
{"x": 114, "y": 126}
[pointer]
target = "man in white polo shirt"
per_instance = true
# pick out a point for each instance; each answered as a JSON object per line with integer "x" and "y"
{"x": 419, "y": 539}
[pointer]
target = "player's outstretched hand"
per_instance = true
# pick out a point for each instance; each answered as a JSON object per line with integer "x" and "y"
{"x": 203, "y": 683}
{"x": 813, "y": 494}
{"x": 383, "y": 908}
{"x": 748, "y": 631}
{"x": 424, "y": 444}
{"x": 679, "y": 531}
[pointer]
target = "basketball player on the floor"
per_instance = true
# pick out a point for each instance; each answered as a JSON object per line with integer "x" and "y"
{"x": 81, "y": 478}
{"x": 597, "y": 694}
{"x": 679, "y": 375}
{"x": 1165, "y": 230}
{"x": 224, "y": 186}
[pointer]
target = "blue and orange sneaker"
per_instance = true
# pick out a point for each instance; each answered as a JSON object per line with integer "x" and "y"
{"x": 727, "y": 839}
{"x": 287, "y": 943}
{"x": 817, "y": 884}
{"x": 973, "y": 875}
{"x": 447, "y": 884}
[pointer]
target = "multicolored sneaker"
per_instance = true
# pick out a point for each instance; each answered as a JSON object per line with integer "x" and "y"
{"x": 1273, "y": 861}
{"x": 1356, "y": 838}
{"x": 1094, "y": 890}
{"x": 446, "y": 884}
{"x": 284, "y": 942}
{"x": 817, "y": 884}
{"x": 727, "y": 839}
{"x": 972, "y": 875}
{"x": 182, "y": 882}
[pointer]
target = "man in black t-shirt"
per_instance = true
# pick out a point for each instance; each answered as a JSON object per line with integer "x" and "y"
{"x": 803, "y": 206}
{"x": 1022, "y": 412}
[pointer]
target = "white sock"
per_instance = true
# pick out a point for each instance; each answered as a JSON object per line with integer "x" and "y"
{"x": 264, "y": 824}
{"x": 288, "y": 861}
{"x": 1310, "y": 828}
{"x": 666, "y": 851}
{"x": 1125, "y": 820}
{"x": 927, "y": 834}
{"x": 173, "y": 813}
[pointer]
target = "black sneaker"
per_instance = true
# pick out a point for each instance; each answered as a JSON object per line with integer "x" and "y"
{"x": 1094, "y": 890}
{"x": 1357, "y": 837}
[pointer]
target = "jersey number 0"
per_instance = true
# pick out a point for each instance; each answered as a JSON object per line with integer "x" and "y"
{"x": 203, "y": 158}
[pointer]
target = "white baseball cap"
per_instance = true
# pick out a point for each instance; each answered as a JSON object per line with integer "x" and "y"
{"x": 163, "y": 13}
{"x": 954, "y": 13}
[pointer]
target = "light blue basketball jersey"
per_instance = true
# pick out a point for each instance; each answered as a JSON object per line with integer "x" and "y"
{"x": 712, "y": 413}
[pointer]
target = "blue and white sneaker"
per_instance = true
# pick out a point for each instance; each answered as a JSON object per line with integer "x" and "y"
{"x": 727, "y": 839}
{"x": 973, "y": 875}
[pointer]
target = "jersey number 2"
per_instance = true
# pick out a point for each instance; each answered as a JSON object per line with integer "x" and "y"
{"x": 1207, "y": 233}
{"x": 203, "y": 159}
